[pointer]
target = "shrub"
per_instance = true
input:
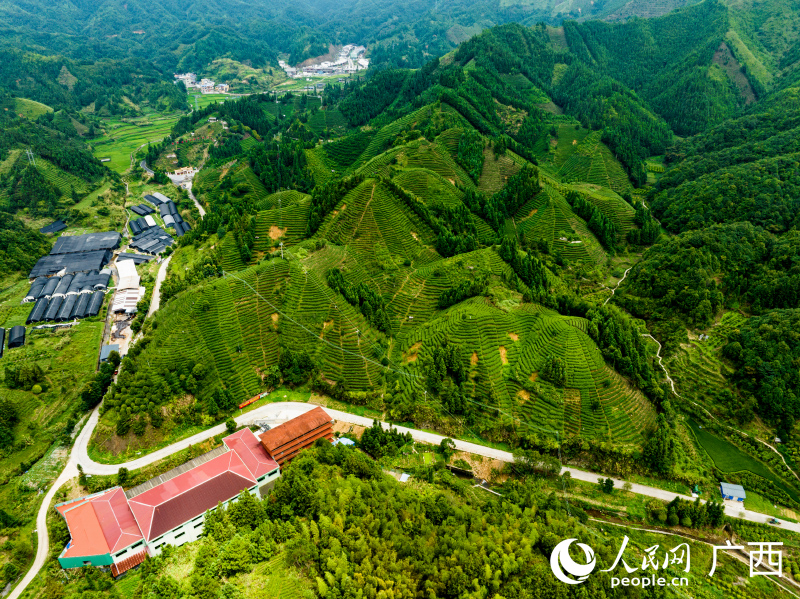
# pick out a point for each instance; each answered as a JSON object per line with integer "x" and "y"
{"x": 36, "y": 389}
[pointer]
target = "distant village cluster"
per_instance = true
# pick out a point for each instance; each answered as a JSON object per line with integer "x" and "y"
{"x": 205, "y": 86}
{"x": 351, "y": 59}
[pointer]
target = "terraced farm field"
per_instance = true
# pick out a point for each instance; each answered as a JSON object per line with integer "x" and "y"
{"x": 592, "y": 162}
{"x": 64, "y": 181}
{"x": 569, "y": 138}
{"x": 203, "y": 100}
{"x": 287, "y": 224}
{"x": 506, "y": 351}
{"x": 610, "y": 204}
{"x": 346, "y": 151}
{"x": 379, "y": 227}
{"x": 436, "y": 158}
{"x": 123, "y": 138}
{"x": 330, "y": 122}
{"x": 549, "y": 216}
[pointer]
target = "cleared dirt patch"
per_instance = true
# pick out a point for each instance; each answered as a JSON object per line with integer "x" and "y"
{"x": 474, "y": 358}
{"x": 325, "y": 326}
{"x": 481, "y": 467}
{"x": 276, "y": 232}
{"x": 414, "y": 235}
{"x": 534, "y": 375}
{"x": 523, "y": 396}
{"x": 345, "y": 427}
{"x": 411, "y": 356}
{"x": 275, "y": 320}
{"x": 503, "y": 357}
{"x": 513, "y": 336}
{"x": 725, "y": 59}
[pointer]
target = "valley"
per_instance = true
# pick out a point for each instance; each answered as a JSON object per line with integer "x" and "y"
{"x": 568, "y": 246}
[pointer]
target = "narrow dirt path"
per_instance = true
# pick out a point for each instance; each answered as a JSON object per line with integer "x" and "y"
{"x": 616, "y": 286}
{"x": 709, "y": 414}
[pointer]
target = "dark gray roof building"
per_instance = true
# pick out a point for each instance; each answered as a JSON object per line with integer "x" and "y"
{"x": 95, "y": 303}
{"x": 53, "y": 308}
{"x": 16, "y": 337}
{"x": 53, "y": 227}
{"x": 108, "y": 240}
{"x": 70, "y": 263}
{"x": 37, "y": 314}
{"x": 35, "y": 292}
{"x": 137, "y": 258}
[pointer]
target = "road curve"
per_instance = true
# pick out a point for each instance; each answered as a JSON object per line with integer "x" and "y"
{"x": 277, "y": 413}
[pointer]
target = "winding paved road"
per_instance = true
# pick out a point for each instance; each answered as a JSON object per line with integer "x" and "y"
{"x": 276, "y": 413}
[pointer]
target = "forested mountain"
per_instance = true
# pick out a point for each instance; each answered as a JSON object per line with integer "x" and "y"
{"x": 742, "y": 170}
{"x": 576, "y": 240}
{"x": 170, "y": 33}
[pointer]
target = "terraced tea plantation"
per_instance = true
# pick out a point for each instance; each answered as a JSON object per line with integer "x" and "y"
{"x": 594, "y": 163}
{"x": 385, "y": 233}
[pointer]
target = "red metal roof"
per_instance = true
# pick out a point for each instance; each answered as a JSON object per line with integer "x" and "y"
{"x": 255, "y": 457}
{"x": 129, "y": 562}
{"x": 285, "y": 433}
{"x": 100, "y": 524}
{"x": 190, "y": 494}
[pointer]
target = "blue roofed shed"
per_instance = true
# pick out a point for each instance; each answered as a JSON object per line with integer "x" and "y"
{"x": 733, "y": 492}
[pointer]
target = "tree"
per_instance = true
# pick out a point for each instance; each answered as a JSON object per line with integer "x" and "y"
{"x": 114, "y": 359}
{"x": 122, "y": 476}
{"x": 235, "y": 556}
{"x": 606, "y": 484}
{"x": 530, "y": 461}
{"x": 659, "y": 450}
{"x": 447, "y": 447}
{"x": 230, "y": 426}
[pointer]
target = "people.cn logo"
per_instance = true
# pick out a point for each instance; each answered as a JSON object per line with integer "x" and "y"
{"x": 562, "y": 564}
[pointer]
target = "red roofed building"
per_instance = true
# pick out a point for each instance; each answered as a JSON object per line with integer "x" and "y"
{"x": 112, "y": 528}
{"x": 102, "y": 528}
{"x": 285, "y": 441}
{"x": 258, "y": 461}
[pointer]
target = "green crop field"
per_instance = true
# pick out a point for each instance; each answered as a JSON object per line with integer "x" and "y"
{"x": 548, "y": 216}
{"x": 64, "y": 181}
{"x": 121, "y": 139}
{"x": 203, "y": 100}
{"x": 569, "y": 138}
{"x": 729, "y": 458}
{"x": 610, "y": 204}
{"x": 31, "y": 108}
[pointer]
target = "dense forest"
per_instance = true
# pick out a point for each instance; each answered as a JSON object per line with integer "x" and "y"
{"x": 766, "y": 350}
{"x": 694, "y": 274}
